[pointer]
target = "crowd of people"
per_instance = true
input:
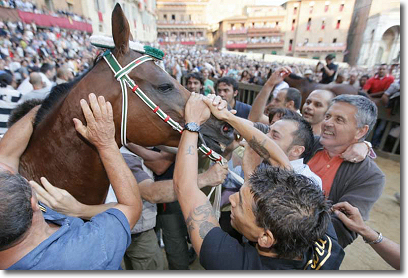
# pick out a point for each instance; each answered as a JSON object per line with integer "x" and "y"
{"x": 27, "y": 6}
{"x": 298, "y": 181}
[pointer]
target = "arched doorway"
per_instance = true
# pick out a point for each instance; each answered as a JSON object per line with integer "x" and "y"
{"x": 389, "y": 45}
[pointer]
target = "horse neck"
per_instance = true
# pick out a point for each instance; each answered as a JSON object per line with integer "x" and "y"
{"x": 58, "y": 152}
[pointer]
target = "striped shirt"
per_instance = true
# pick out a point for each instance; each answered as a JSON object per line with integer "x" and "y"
{"x": 8, "y": 101}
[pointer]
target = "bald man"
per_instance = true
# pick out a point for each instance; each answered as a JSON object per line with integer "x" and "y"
{"x": 64, "y": 74}
{"x": 40, "y": 91}
{"x": 315, "y": 107}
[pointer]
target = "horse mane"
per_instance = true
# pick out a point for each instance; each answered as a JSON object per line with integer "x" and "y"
{"x": 58, "y": 92}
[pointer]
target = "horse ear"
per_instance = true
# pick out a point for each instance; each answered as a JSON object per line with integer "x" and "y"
{"x": 120, "y": 30}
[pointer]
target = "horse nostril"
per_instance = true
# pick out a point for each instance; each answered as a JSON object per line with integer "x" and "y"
{"x": 226, "y": 128}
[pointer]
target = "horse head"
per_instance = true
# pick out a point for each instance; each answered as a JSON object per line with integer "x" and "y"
{"x": 160, "y": 88}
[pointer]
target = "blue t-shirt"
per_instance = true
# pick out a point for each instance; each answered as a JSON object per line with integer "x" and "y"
{"x": 243, "y": 109}
{"x": 97, "y": 244}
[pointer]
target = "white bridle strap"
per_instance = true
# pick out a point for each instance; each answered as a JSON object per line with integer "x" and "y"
{"x": 121, "y": 74}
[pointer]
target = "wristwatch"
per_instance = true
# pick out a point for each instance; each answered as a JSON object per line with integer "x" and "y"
{"x": 193, "y": 127}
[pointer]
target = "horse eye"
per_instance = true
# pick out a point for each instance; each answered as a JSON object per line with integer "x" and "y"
{"x": 165, "y": 88}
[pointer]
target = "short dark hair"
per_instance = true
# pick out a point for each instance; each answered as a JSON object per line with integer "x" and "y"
{"x": 291, "y": 206}
{"x": 229, "y": 81}
{"x": 46, "y": 67}
{"x": 281, "y": 112}
{"x": 197, "y": 76}
{"x": 295, "y": 95}
{"x": 303, "y": 136}
{"x": 16, "y": 213}
{"x": 366, "y": 76}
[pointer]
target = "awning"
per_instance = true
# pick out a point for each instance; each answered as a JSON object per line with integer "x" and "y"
{"x": 44, "y": 20}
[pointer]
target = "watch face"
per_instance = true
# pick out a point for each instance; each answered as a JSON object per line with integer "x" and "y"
{"x": 192, "y": 127}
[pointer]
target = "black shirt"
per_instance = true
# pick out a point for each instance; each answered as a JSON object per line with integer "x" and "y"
{"x": 326, "y": 79}
{"x": 220, "y": 251}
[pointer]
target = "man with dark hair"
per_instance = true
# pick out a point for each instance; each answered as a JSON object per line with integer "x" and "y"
{"x": 348, "y": 121}
{"x": 227, "y": 89}
{"x": 195, "y": 83}
{"x": 329, "y": 70}
{"x": 295, "y": 137}
{"x": 363, "y": 80}
{"x": 290, "y": 98}
{"x": 379, "y": 83}
{"x": 280, "y": 242}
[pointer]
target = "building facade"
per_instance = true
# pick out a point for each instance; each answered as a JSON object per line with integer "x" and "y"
{"x": 141, "y": 15}
{"x": 183, "y": 22}
{"x": 308, "y": 29}
{"x": 374, "y": 35}
{"x": 260, "y": 30}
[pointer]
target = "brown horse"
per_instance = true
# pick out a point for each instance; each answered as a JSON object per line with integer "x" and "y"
{"x": 57, "y": 151}
{"x": 305, "y": 86}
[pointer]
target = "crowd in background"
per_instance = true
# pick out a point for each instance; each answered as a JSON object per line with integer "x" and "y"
{"x": 34, "y": 59}
{"x": 27, "y": 6}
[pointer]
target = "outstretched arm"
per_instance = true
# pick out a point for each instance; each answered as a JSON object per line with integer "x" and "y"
{"x": 351, "y": 217}
{"x": 100, "y": 131}
{"x": 258, "y": 107}
{"x": 15, "y": 140}
{"x": 256, "y": 139}
{"x": 196, "y": 208}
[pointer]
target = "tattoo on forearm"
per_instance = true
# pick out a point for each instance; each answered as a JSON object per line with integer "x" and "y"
{"x": 190, "y": 150}
{"x": 259, "y": 148}
{"x": 200, "y": 217}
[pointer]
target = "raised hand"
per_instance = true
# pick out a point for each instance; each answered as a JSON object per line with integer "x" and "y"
{"x": 100, "y": 129}
{"x": 196, "y": 111}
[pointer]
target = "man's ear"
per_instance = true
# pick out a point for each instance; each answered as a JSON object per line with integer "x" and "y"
{"x": 296, "y": 151}
{"x": 361, "y": 132}
{"x": 34, "y": 202}
{"x": 290, "y": 105}
{"x": 266, "y": 239}
{"x": 235, "y": 93}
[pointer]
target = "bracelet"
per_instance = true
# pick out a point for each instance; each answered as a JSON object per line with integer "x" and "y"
{"x": 370, "y": 152}
{"x": 378, "y": 240}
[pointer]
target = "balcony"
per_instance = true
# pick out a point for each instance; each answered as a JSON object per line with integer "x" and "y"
{"x": 169, "y": 23}
{"x": 267, "y": 31}
{"x": 266, "y": 45}
{"x": 320, "y": 47}
{"x": 236, "y": 45}
{"x": 242, "y": 31}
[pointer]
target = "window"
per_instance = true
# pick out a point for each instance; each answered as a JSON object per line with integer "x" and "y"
{"x": 342, "y": 6}
{"x": 320, "y": 40}
{"x": 334, "y": 40}
{"x": 326, "y": 6}
{"x": 173, "y": 17}
{"x": 309, "y": 23}
{"x": 294, "y": 10}
{"x": 277, "y": 23}
{"x": 323, "y": 25}
{"x": 49, "y": 4}
{"x": 189, "y": 17}
{"x": 338, "y": 24}
{"x": 70, "y": 7}
{"x": 293, "y": 24}
{"x": 290, "y": 45}
{"x": 165, "y": 16}
{"x": 311, "y": 9}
